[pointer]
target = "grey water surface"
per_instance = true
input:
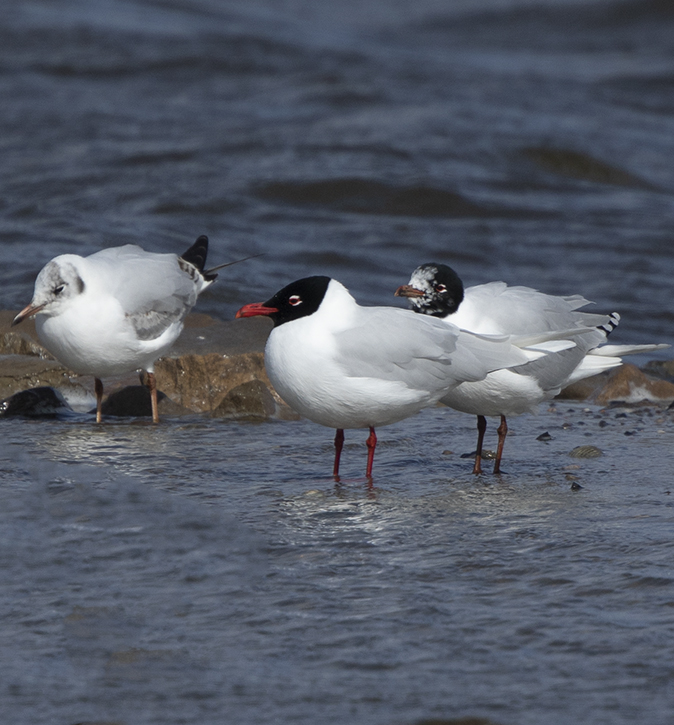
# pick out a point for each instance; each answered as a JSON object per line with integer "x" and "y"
{"x": 206, "y": 571}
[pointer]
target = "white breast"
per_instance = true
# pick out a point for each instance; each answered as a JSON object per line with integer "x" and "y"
{"x": 93, "y": 337}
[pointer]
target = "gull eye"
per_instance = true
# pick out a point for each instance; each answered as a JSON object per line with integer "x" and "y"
{"x": 440, "y": 288}
{"x": 295, "y": 300}
{"x": 59, "y": 289}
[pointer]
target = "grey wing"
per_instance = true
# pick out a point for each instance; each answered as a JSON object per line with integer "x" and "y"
{"x": 154, "y": 290}
{"x": 151, "y": 324}
{"x": 422, "y": 352}
{"x": 552, "y": 370}
{"x": 397, "y": 345}
{"x": 479, "y": 355}
{"x": 496, "y": 307}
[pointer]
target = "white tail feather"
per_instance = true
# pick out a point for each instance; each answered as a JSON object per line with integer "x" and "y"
{"x": 592, "y": 365}
{"x": 615, "y": 350}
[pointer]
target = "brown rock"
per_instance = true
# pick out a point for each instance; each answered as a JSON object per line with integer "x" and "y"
{"x": 201, "y": 382}
{"x": 629, "y": 384}
{"x": 248, "y": 400}
{"x": 586, "y": 388}
{"x": 215, "y": 367}
{"x": 20, "y": 372}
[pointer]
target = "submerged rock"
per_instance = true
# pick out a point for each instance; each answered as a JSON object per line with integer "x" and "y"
{"x": 134, "y": 401}
{"x": 364, "y": 196}
{"x": 42, "y": 402}
{"x": 456, "y": 721}
{"x": 582, "y": 166}
{"x": 586, "y": 452}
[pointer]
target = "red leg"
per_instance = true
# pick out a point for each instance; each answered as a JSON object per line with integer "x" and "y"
{"x": 371, "y": 445}
{"x": 98, "y": 389}
{"x": 502, "y": 433}
{"x": 481, "y": 428}
{"x": 152, "y": 385}
{"x": 339, "y": 443}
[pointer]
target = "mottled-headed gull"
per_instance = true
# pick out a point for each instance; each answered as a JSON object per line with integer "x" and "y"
{"x": 346, "y": 366}
{"x": 117, "y": 310}
{"x": 495, "y": 308}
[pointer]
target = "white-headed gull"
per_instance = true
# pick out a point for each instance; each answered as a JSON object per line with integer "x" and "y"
{"x": 495, "y": 308}
{"x": 117, "y": 310}
{"x": 346, "y": 366}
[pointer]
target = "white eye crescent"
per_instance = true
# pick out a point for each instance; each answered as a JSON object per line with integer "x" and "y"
{"x": 440, "y": 288}
{"x": 58, "y": 290}
{"x": 295, "y": 300}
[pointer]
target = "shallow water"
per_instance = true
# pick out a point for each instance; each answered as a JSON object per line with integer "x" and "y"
{"x": 205, "y": 571}
{"x": 209, "y": 572}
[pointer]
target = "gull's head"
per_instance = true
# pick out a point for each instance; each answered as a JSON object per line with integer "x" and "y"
{"x": 433, "y": 289}
{"x": 298, "y": 299}
{"x": 58, "y": 283}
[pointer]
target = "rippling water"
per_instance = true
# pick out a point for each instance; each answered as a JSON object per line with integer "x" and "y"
{"x": 207, "y": 572}
{"x": 203, "y": 571}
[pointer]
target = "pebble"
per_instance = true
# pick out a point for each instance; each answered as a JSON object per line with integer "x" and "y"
{"x": 586, "y": 452}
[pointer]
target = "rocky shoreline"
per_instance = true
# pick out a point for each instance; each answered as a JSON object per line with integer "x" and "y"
{"x": 216, "y": 368}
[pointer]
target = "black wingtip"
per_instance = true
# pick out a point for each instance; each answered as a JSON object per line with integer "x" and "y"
{"x": 197, "y": 254}
{"x": 613, "y": 321}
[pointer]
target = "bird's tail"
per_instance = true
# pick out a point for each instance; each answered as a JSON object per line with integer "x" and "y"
{"x": 196, "y": 255}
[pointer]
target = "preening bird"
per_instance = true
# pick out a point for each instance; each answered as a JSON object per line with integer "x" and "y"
{"x": 117, "y": 310}
{"x": 436, "y": 290}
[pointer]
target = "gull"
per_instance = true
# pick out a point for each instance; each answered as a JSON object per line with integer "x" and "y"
{"x": 436, "y": 290}
{"x": 117, "y": 310}
{"x": 342, "y": 365}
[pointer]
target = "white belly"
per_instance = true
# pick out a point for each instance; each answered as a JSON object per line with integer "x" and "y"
{"x": 501, "y": 393}
{"x": 318, "y": 389}
{"x": 100, "y": 342}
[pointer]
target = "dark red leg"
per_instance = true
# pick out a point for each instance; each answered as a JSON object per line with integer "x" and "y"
{"x": 481, "y": 428}
{"x": 98, "y": 389}
{"x": 371, "y": 445}
{"x": 339, "y": 443}
{"x": 502, "y": 433}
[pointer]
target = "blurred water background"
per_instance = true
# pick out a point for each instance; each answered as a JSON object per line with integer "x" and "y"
{"x": 204, "y": 571}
